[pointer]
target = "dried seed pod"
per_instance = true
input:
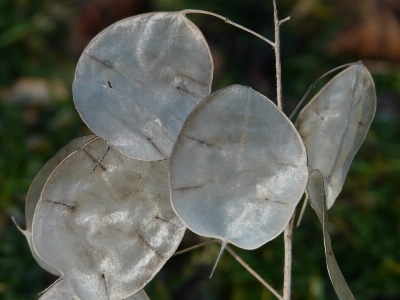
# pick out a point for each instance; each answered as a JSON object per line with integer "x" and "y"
{"x": 334, "y": 124}
{"x": 137, "y": 81}
{"x": 238, "y": 168}
{"x": 108, "y": 230}
{"x": 63, "y": 290}
{"x": 36, "y": 188}
{"x": 316, "y": 193}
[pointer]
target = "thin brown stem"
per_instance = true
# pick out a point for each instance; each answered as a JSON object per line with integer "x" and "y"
{"x": 277, "y": 58}
{"x": 238, "y": 258}
{"x": 194, "y": 247}
{"x": 287, "y": 276}
{"x": 288, "y": 231}
{"x": 204, "y": 12}
{"x": 254, "y": 273}
{"x": 284, "y": 20}
{"x": 303, "y": 209}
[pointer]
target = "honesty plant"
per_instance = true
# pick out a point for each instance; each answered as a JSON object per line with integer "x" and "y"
{"x": 107, "y": 212}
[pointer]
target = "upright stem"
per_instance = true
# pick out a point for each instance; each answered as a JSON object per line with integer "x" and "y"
{"x": 287, "y": 276}
{"x": 277, "y": 58}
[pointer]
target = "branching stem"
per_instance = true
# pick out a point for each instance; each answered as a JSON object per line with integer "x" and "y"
{"x": 194, "y": 247}
{"x": 277, "y": 57}
{"x": 252, "y": 272}
{"x": 239, "y": 259}
{"x": 275, "y": 44}
{"x": 289, "y": 228}
{"x": 204, "y": 12}
{"x": 288, "y": 231}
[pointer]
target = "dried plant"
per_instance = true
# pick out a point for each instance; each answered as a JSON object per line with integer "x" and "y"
{"x": 107, "y": 212}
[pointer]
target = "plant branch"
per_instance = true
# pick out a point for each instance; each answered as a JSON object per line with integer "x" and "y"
{"x": 275, "y": 45}
{"x": 303, "y": 209}
{"x": 312, "y": 86}
{"x": 194, "y": 247}
{"x": 277, "y": 58}
{"x": 254, "y": 273}
{"x": 288, "y": 231}
{"x": 284, "y": 20}
{"x": 238, "y": 258}
{"x": 196, "y": 11}
{"x": 287, "y": 277}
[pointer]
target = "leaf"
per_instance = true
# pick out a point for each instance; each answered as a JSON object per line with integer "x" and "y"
{"x": 63, "y": 290}
{"x": 108, "y": 230}
{"x": 36, "y": 188}
{"x": 137, "y": 81}
{"x": 238, "y": 168}
{"x": 316, "y": 194}
{"x": 334, "y": 124}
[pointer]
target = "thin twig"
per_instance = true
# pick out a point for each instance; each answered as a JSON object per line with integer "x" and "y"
{"x": 24, "y": 232}
{"x": 287, "y": 276}
{"x": 194, "y": 247}
{"x": 238, "y": 258}
{"x": 289, "y": 227}
{"x": 197, "y": 11}
{"x": 223, "y": 246}
{"x": 315, "y": 83}
{"x": 303, "y": 209}
{"x": 284, "y": 20}
{"x": 254, "y": 273}
{"x": 277, "y": 59}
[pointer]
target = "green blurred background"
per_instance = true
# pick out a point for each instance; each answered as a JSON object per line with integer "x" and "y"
{"x": 40, "y": 43}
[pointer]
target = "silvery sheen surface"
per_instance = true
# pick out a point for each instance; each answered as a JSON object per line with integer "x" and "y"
{"x": 36, "y": 188}
{"x": 108, "y": 230}
{"x": 316, "y": 194}
{"x": 63, "y": 290}
{"x": 334, "y": 124}
{"x": 137, "y": 81}
{"x": 238, "y": 168}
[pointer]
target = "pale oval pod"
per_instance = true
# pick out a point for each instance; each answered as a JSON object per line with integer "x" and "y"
{"x": 238, "y": 168}
{"x": 138, "y": 80}
{"x": 334, "y": 124}
{"x": 316, "y": 194}
{"x": 108, "y": 230}
{"x": 63, "y": 290}
{"x": 36, "y": 188}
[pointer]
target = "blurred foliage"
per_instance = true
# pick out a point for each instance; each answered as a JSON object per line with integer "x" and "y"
{"x": 364, "y": 222}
